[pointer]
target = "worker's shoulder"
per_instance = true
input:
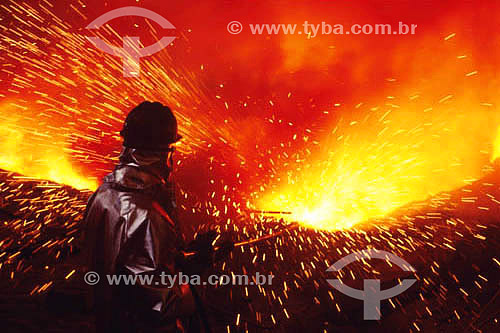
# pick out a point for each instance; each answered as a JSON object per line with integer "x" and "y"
{"x": 139, "y": 204}
{"x": 113, "y": 198}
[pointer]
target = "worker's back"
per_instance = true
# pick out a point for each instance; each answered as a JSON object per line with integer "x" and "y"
{"x": 129, "y": 234}
{"x": 129, "y": 230}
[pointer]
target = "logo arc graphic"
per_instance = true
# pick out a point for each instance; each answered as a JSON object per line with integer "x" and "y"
{"x": 371, "y": 293}
{"x": 131, "y": 52}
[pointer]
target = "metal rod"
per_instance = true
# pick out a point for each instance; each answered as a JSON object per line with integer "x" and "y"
{"x": 270, "y": 212}
{"x": 291, "y": 226}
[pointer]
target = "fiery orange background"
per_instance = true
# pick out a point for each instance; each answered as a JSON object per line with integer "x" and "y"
{"x": 336, "y": 129}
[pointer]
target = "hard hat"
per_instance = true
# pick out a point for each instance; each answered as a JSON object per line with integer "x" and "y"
{"x": 150, "y": 126}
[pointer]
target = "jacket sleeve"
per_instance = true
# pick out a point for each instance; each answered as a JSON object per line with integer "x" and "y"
{"x": 149, "y": 252}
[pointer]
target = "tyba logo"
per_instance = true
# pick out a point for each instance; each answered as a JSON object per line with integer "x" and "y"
{"x": 371, "y": 295}
{"x": 131, "y": 52}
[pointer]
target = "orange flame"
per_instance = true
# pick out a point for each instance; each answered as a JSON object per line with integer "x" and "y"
{"x": 370, "y": 167}
{"x": 431, "y": 134}
{"x": 40, "y": 158}
{"x": 496, "y": 147}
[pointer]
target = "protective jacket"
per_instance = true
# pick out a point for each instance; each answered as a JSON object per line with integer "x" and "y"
{"x": 131, "y": 231}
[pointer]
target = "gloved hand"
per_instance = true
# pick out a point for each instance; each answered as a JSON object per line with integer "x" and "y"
{"x": 202, "y": 241}
{"x": 224, "y": 249}
{"x": 204, "y": 254}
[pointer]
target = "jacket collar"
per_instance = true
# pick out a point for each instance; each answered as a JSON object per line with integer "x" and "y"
{"x": 139, "y": 169}
{"x": 134, "y": 178}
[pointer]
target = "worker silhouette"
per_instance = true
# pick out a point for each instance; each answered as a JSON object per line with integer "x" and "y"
{"x": 131, "y": 229}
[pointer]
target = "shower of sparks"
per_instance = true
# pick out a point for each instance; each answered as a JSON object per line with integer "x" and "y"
{"x": 60, "y": 118}
{"x": 454, "y": 255}
{"x": 66, "y": 101}
{"x": 369, "y": 167}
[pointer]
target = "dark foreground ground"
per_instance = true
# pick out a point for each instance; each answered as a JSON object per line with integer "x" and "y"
{"x": 452, "y": 240}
